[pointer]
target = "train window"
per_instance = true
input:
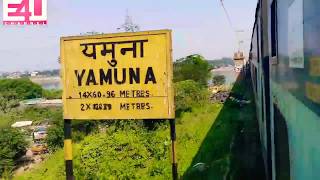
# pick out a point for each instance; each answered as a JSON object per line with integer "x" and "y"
{"x": 274, "y": 28}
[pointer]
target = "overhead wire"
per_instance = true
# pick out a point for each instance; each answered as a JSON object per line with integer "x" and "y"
{"x": 227, "y": 15}
{"x": 230, "y": 23}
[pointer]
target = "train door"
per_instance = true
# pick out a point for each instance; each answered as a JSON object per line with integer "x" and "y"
{"x": 281, "y": 144}
{"x": 265, "y": 67}
{"x": 282, "y": 161}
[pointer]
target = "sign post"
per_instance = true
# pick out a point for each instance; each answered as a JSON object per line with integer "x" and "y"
{"x": 68, "y": 149}
{"x": 173, "y": 149}
{"x": 117, "y": 76}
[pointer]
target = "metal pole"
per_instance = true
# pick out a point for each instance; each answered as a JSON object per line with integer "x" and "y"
{"x": 68, "y": 149}
{"x": 173, "y": 146}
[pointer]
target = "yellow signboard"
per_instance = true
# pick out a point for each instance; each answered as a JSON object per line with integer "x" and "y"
{"x": 118, "y": 76}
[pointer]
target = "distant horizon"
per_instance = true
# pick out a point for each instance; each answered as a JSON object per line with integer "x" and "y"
{"x": 57, "y": 68}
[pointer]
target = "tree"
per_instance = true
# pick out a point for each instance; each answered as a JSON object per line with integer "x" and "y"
{"x": 218, "y": 80}
{"x": 193, "y": 67}
{"x": 8, "y": 100}
{"x": 23, "y": 87}
{"x": 13, "y": 146}
{"x": 188, "y": 94}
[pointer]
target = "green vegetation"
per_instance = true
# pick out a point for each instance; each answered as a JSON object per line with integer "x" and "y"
{"x": 189, "y": 94}
{"x": 12, "y": 141}
{"x": 6, "y": 119}
{"x": 52, "y": 94}
{"x": 218, "y": 80}
{"x": 137, "y": 149}
{"x": 231, "y": 148}
{"x": 37, "y": 115}
{"x": 128, "y": 153}
{"x": 13, "y": 146}
{"x": 12, "y": 91}
{"x": 55, "y": 136}
{"x": 128, "y": 150}
{"x": 8, "y": 100}
{"x": 193, "y": 67}
{"x": 23, "y": 88}
{"x": 209, "y": 137}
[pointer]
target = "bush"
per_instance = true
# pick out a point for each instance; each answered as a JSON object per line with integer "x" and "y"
{"x": 13, "y": 146}
{"x": 80, "y": 129}
{"x": 24, "y": 88}
{"x": 125, "y": 154}
{"x": 52, "y": 94}
{"x": 193, "y": 67}
{"x": 39, "y": 114}
{"x": 188, "y": 94}
{"x": 55, "y": 131}
{"x": 218, "y": 80}
{"x": 55, "y": 137}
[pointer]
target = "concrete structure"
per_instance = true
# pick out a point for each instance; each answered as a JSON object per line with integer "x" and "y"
{"x": 40, "y": 102}
{"x": 21, "y": 124}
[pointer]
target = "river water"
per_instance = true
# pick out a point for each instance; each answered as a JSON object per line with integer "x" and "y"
{"x": 229, "y": 73}
{"x": 48, "y": 82}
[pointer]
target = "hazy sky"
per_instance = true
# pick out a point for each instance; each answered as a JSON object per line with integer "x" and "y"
{"x": 199, "y": 26}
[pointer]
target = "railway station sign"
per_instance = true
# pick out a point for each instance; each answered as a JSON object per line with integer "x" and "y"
{"x": 118, "y": 76}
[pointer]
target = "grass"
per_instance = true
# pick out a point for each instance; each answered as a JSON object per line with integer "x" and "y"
{"x": 191, "y": 131}
{"x": 224, "y": 138}
{"x": 192, "y": 128}
{"x": 231, "y": 148}
{"x": 51, "y": 169}
{"x": 6, "y": 119}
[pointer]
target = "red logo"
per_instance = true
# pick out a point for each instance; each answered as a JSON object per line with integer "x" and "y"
{"x": 24, "y": 12}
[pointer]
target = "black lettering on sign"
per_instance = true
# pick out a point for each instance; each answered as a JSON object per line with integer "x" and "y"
{"x": 82, "y": 107}
{"x": 91, "y": 78}
{"x": 105, "y": 51}
{"x": 97, "y": 106}
{"x": 107, "y": 78}
{"x": 140, "y": 106}
{"x": 124, "y": 106}
{"x": 85, "y": 107}
{"x": 79, "y": 76}
{"x": 134, "y": 75}
{"x": 123, "y": 76}
{"x": 150, "y": 76}
{"x": 107, "y": 107}
{"x": 148, "y": 106}
{"x": 124, "y": 94}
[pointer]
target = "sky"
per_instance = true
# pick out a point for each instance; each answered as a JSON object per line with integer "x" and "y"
{"x": 198, "y": 27}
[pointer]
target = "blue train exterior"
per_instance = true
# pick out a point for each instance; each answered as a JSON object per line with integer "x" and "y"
{"x": 284, "y": 64}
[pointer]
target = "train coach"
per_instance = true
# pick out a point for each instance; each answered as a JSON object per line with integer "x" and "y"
{"x": 284, "y": 62}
